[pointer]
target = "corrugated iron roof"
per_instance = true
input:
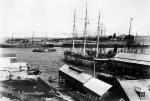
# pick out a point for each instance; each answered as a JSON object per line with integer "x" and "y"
{"x": 82, "y": 77}
{"x": 97, "y": 86}
{"x": 129, "y": 88}
{"x": 133, "y": 58}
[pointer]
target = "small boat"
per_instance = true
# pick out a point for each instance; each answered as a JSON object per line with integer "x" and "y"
{"x": 38, "y": 50}
{"x": 50, "y": 79}
{"x": 44, "y": 50}
{"x": 34, "y": 72}
{"x": 5, "y": 46}
{"x": 51, "y": 50}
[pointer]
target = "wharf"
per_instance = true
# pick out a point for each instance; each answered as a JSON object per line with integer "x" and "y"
{"x": 54, "y": 90}
{"x": 92, "y": 45}
{"x": 31, "y": 90}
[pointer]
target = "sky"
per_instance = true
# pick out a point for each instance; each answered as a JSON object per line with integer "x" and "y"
{"x": 54, "y": 18}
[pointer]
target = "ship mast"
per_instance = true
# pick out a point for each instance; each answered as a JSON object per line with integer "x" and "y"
{"x": 33, "y": 36}
{"x": 12, "y": 40}
{"x": 101, "y": 36}
{"x": 85, "y": 31}
{"x": 45, "y": 37}
{"x": 98, "y": 30}
{"x": 97, "y": 46}
{"x": 73, "y": 34}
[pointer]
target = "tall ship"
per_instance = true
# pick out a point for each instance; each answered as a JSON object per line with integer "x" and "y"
{"x": 87, "y": 55}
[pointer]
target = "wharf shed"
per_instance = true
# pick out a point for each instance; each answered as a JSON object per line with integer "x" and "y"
{"x": 96, "y": 87}
{"x": 129, "y": 64}
{"x": 136, "y": 90}
{"x": 129, "y": 90}
{"x": 74, "y": 77}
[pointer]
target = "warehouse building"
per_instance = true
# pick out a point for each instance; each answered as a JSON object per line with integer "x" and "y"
{"x": 135, "y": 66}
{"x": 73, "y": 77}
{"x": 96, "y": 87}
{"x": 82, "y": 82}
{"x": 122, "y": 90}
{"x": 136, "y": 90}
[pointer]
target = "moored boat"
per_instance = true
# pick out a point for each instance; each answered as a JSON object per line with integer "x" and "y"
{"x": 44, "y": 50}
{"x": 87, "y": 57}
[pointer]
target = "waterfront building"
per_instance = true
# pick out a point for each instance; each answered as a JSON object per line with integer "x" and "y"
{"x": 127, "y": 65}
{"x": 18, "y": 81}
{"x": 136, "y": 90}
{"x": 73, "y": 77}
{"x": 99, "y": 90}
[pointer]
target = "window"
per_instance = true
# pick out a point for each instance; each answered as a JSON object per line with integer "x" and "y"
{"x": 140, "y": 92}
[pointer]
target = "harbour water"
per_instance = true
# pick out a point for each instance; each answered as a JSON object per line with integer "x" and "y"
{"x": 47, "y": 62}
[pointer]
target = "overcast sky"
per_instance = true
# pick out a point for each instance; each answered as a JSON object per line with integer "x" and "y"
{"x": 53, "y": 17}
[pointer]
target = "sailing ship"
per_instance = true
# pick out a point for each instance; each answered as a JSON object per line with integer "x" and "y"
{"x": 87, "y": 57}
